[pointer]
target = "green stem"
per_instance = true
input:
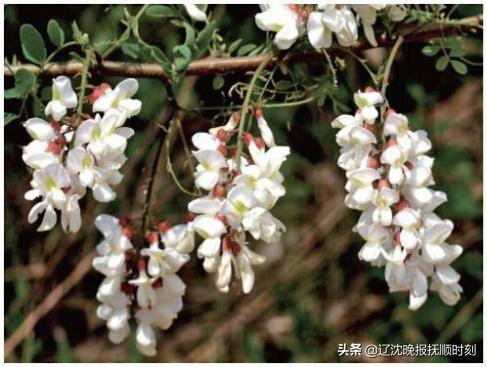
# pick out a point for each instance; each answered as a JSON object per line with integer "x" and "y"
{"x": 125, "y": 34}
{"x": 84, "y": 77}
{"x": 388, "y": 68}
{"x": 245, "y": 106}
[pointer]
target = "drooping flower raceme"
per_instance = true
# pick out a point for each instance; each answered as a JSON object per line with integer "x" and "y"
{"x": 324, "y": 21}
{"x": 238, "y": 200}
{"x": 141, "y": 284}
{"x": 68, "y": 155}
{"x": 390, "y": 183}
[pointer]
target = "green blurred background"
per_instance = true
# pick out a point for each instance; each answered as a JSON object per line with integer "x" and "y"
{"x": 313, "y": 293}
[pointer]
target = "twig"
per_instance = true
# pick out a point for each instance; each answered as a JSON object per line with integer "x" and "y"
{"x": 210, "y": 66}
{"x": 155, "y": 164}
{"x": 390, "y": 61}
{"x": 48, "y": 303}
{"x": 245, "y": 105}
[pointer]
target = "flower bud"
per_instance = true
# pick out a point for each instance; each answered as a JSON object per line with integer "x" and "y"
{"x": 164, "y": 226}
{"x": 55, "y": 125}
{"x": 189, "y": 217}
{"x": 258, "y": 113}
{"x": 402, "y": 204}
{"x": 373, "y": 162}
{"x": 123, "y": 221}
{"x": 221, "y": 149}
{"x": 259, "y": 142}
{"x": 54, "y": 148}
{"x": 98, "y": 91}
{"x": 383, "y": 183}
{"x": 152, "y": 237}
{"x": 223, "y": 135}
{"x": 236, "y": 116}
{"x": 390, "y": 112}
{"x": 247, "y": 139}
{"x": 397, "y": 239}
{"x": 157, "y": 283}
{"x": 369, "y": 89}
{"x": 219, "y": 191}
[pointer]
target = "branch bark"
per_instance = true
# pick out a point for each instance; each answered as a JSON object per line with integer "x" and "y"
{"x": 209, "y": 66}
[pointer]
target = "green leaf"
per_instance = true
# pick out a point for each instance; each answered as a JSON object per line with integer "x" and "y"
{"x": 284, "y": 85}
{"x": 55, "y": 33}
{"x": 184, "y": 51}
{"x": 430, "y": 50}
{"x": 459, "y": 67}
{"x": 218, "y": 82}
{"x": 32, "y": 43}
{"x": 24, "y": 83}
{"x": 234, "y": 45}
{"x": 10, "y": 93}
{"x": 8, "y": 118}
{"x": 160, "y": 11}
{"x": 442, "y": 63}
{"x": 203, "y": 39}
{"x": 457, "y": 52}
{"x": 131, "y": 49}
{"x": 245, "y": 49}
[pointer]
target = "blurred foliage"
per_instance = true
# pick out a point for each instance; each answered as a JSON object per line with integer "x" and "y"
{"x": 314, "y": 293}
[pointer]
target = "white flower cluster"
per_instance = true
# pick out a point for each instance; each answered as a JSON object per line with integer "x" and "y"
{"x": 141, "y": 283}
{"x": 67, "y": 158}
{"x": 238, "y": 200}
{"x": 291, "y": 21}
{"x": 391, "y": 184}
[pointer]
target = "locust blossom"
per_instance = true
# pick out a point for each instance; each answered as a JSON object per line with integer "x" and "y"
{"x": 284, "y": 19}
{"x": 329, "y": 19}
{"x": 241, "y": 190}
{"x": 195, "y": 12}
{"x": 324, "y": 22}
{"x": 119, "y": 98}
{"x": 139, "y": 283}
{"x": 69, "y": 157}
{"x": 391, "y": 183}
{"x": 63, "y": 97}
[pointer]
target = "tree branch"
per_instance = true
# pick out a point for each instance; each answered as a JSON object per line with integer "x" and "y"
{"x": 208, "y": 66}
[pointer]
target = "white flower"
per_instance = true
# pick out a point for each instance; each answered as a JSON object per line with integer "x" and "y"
{"x": 39, "y": 129}
{"x": 208, "y": 172}
{"x": 409, "y": 220}
{"x": 398, "y": 224}
{"x": 63, "y": 97}
{"x": 263, "y": 225}
{"x": 382, "y": 201}
{"x": 120, "y": 98}
{"x": 239, "y": 201}
{"x": 146, "y": 295}
{"x": 282, "y": 19}
{"x": 104, "y": 135}
{"x": 368, "y": 16}
{"x": 396, "y": 159}
{"x": 195, "y": 12}
{"x": 115, "y": 244}
{"x": 348, "y": 33}
{"x": 242, "y": 259}
{"x": 366, "y": 102}
{"x": 179, "y": 237}
{"x": 163, "y": 261}
{"x": 265, "y": 131}
{"x": 36, "y": 155}
{"x": 48, "y": 183}
{"x": 210, "y": 229}
{"x": 231, "y": 125}
{"x": 360, "y": 185}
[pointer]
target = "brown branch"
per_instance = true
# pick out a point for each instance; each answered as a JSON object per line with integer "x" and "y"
{"x": 48, "y": 304}
{"x": 208, "y": 66}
